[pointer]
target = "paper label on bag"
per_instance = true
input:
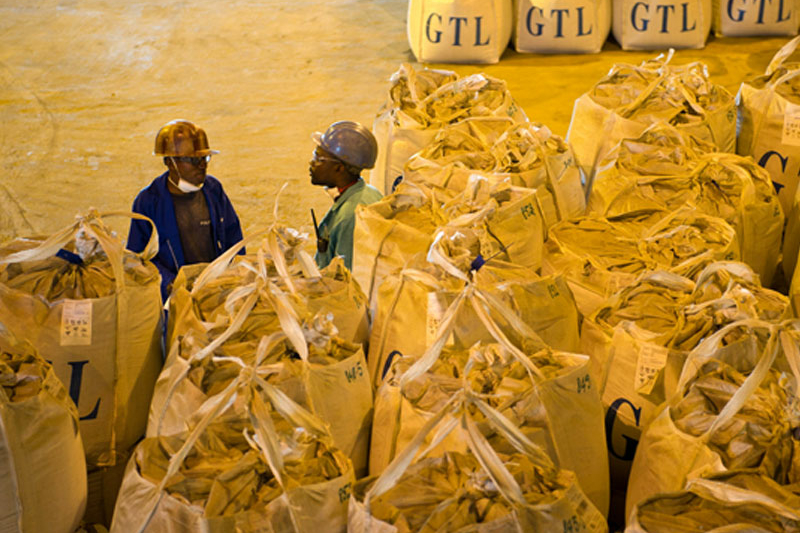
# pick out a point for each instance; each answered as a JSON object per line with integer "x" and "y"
{"x": 652, "y": 358}
{"x": 436, "y": 309}
{"x": 76, "y": 323}
{"x": 791, "y": 125}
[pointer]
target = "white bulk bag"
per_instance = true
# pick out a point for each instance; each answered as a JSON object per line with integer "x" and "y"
{"x": 742, "y": 18}
{"x": 459, "y": 31}
{"x": 768, "y": 112}
{"x": 669, "y": 455}
{"x": 561, "y": 26}
{"x": 567, "y": 398}
{"x": 106, "y": 350}
{"x": 661, "y": 24}
{"x": 147, "y": 505}
{"x": 42, "y": 468}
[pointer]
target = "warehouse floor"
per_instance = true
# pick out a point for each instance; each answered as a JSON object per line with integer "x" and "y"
{"x": 85, "y": 85}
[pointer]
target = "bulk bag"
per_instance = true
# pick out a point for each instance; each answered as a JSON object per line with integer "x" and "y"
{"x": 274, "y": 469}
{"x": 482, "y": 488}
{"x": 741, "y": 500}
{"x": 724, "y": 185}
{"x": 42, "y": 465}
{"x": 526, "y": 154}
{"x": 661, "y": 24}
{"x": 323, "y": 373}
{"x": 561, "y": 26}
{"x": 767, "y": 108}
{"x": 415, "y": 298}
{"x": 200, "y": 291}
{"x": 459, "y": 31}
{"x": 734, "y": 408}
{"x": 392, "y": 231}
{"x": 423, "y": 102}
{"x": 93, "y": 309}
{"x": 403, "y": 126}
{"x": 742, "y": 18}
{"x": 632, "y": 98}
{"x": 549, "y": 394}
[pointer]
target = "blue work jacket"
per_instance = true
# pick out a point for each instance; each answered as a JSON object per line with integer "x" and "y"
{"x": 155, "y": 202}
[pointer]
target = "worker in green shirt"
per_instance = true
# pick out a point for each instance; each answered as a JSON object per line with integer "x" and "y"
{"x": 342, "y": 152}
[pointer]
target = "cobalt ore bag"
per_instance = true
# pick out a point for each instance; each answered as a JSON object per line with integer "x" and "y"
{"x": 273, "y": 469}
{"x": 737, "y": 18}
{"x": 497, "y": 148}
{"x": 547, "y": 393}
{"x": 767, "y": 107}
{"x": 631, "y": 98}
{"x": 93, "y": 309}
{"x": 479, "y": 35}
{"x": 509, "y": 484}
{"x": 736, "y": 407}
{"x": 561, "y": 26}
{"x": 420, "y": 103}
{"x": 200, "y": 291}
{"x": 740, "y": 500}
{"x": 416, "y": 298}
{"x": 661, "y": 24}
{"x": 302, "y": 355}
{"x": 42, "y": 466}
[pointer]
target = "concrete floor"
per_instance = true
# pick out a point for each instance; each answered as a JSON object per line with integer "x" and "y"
{"x": 85, "y": 85}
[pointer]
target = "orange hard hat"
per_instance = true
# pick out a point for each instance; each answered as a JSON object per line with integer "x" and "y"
{"x": 182, "y": 138}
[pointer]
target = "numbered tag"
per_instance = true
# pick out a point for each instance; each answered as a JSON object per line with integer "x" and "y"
{"x": 436, "y": 308}
{"x": 652, "y": 358}
{"x": 76, "y": 323}
{"x": 791, "y": 125}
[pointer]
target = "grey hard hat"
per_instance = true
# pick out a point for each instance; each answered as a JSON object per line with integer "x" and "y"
{"x": 350, "y": 142}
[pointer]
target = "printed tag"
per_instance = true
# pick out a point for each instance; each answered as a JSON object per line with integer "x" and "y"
{"x": 76, "y": 323}
{"x": 437, "y": 305}
{"x": 434, "y": 318}
{"x": 652, "y": 358}
{"x": 791, "y": 125}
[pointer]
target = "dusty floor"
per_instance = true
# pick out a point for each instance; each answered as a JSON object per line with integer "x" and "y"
{"x": 85, "y": 85}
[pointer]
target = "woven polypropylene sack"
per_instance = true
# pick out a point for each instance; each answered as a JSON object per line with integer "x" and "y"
{"x": 561, "y": 26}
{"x": 661, "y": 24}
{"x": 106, "y": 350}
{"x": 738, "y": 18}
{"x": 480, "y": 34}
{"x": 42, "y": 466}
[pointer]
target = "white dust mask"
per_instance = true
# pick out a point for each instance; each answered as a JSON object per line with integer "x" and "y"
{"x": 187, "y": 187}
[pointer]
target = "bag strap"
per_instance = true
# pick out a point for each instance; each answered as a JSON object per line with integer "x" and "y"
{"x": 456, "y": 415}
{"x": 782, "y": 55}
{"x": 92, "y": 224}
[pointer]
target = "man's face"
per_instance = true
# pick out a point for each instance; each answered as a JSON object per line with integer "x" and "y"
{"x": 191, "y": 169}
{"x": 323, "y": 167}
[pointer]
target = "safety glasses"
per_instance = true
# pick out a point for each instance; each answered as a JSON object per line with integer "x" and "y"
{"x": 193, "y": 160}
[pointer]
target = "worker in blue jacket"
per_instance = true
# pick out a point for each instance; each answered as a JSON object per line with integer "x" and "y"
{"x": 194, "y": 218}
{"x": 342, "y": 151}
